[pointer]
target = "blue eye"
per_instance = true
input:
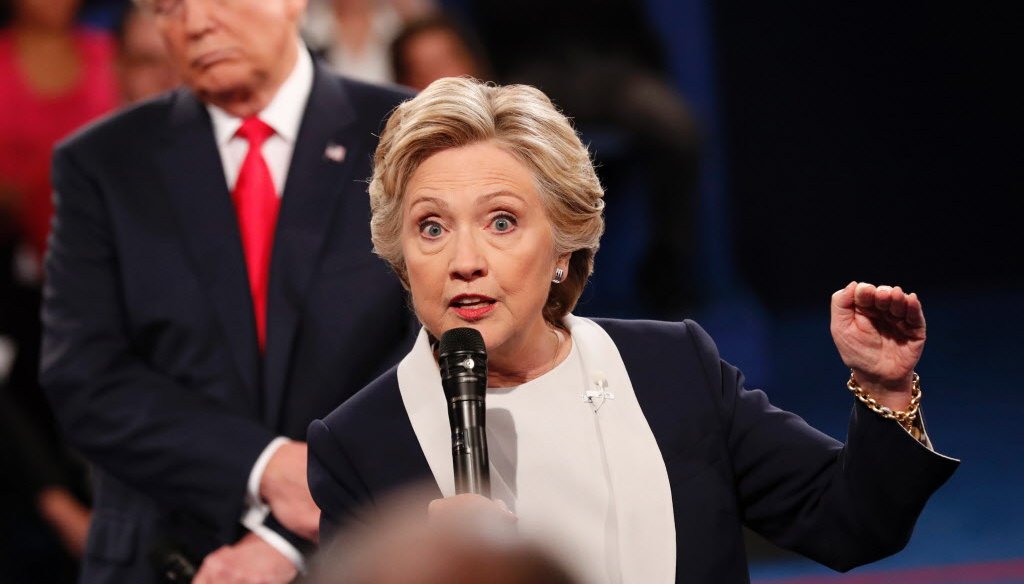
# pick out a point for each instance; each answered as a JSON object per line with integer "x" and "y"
{"x": 503, "y": 223}
{"x": 431, "y": 229}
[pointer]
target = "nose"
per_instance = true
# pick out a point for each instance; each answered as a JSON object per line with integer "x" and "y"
{"x": 198, "y": 15}
{"x": 468, "y": 261}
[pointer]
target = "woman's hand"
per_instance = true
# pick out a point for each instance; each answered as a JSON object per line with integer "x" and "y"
{"x": 880, "y": 334}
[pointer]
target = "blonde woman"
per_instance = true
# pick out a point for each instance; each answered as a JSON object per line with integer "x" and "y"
{"x": 629, "y": 447}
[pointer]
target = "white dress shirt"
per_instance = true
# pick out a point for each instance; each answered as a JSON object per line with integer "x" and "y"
{"x": 284, "y": 115}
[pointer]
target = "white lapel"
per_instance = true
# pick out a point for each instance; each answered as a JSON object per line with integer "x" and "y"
{"x": 419, "y": 382}
{"x": 643, "y": 496}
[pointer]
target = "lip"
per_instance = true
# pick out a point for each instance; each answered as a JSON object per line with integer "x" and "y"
{"x": 472, "y": 313}
{"x": 209, "y": 58}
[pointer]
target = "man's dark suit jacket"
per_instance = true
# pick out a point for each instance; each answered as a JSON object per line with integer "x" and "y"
{"x": 150, "y": 355}
{"x": 732, "y": 459}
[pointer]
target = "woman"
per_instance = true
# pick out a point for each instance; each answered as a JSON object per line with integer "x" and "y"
{"x": 628, "y": 445}
{"x": 55, "y": 76}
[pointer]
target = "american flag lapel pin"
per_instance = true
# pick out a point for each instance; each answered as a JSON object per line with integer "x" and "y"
{"x": 335, "y": 152}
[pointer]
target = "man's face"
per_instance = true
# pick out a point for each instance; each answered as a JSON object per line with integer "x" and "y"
{"x": 144, "y": 66}
{"x": 433, "y": 54}
{"x": 230, "y": 48}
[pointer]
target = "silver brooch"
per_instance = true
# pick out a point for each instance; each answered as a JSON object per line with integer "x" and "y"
{"x": 598, "y": 392}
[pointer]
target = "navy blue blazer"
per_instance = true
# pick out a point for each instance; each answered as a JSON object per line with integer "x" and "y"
{"x": 150, "y": 355}
{"x": 732, "y": 459}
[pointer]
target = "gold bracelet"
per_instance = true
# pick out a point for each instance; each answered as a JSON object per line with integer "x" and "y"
{"x": 906, "y": 418}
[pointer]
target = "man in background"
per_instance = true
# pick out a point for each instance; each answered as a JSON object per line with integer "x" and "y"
{"x": 436, "y": 46}
{"x": 210, "y": 290}
{"x": 144, "y": 66}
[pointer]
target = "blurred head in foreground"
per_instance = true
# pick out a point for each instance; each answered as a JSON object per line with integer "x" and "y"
{"x": 402, "y": 546}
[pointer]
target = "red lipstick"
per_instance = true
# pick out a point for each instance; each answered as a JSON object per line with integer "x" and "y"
{"x": 472, "y": 306}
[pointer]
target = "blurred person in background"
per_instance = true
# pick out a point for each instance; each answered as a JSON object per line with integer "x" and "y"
{"x": 55, "y": 76}
{"x": 433, "y": 47}
{"x": 44, "y": 475}
{"x": 629, "y": 446}
{"x": 144, "y": 66}
{"x": 354, "y": 36}
{"x": 210, "y": 290}
{"x": 44, "y": 519}
{"x": 604, "y": 65}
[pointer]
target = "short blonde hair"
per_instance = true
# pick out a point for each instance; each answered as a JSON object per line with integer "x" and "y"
{"x": 454, "y": 112}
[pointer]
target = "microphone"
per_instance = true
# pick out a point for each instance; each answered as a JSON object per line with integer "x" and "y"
{"x": 462, "y": 358}
{"x": 171, "y": 564}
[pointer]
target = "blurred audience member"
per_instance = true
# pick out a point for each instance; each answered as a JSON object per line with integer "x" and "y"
{"x": 35, "y": 488}
{"x": 403, "y": 546}
{"x": 43, "y": 521}
{"x": 55, "y": 77}
{"x": 604, "y": 65}
{"x": 144, "y": 67}
{"x": 433, "y": 47}
{"x": 354, "y": 36}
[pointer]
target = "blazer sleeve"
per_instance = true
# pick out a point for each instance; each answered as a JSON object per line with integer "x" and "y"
{"x": 841, "y": 505}
{"x": 333, "y": 481}
{"x": 186, "y": 450}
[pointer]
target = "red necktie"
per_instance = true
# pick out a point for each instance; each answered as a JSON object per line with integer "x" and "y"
{"x": 256, "y": 203}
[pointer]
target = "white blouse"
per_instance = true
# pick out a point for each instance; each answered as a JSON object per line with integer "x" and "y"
{"x": 571, "y": 454}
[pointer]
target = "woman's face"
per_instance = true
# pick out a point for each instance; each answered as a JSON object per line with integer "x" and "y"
{"x": 479, "y": 249}
{"x": 49, "y": 14}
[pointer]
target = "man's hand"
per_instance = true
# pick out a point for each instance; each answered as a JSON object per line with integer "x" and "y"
{"x": 284, "y": 487}
{"x": 250, "y": 561}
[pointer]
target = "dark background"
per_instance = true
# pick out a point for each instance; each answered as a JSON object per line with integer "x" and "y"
{"x": 871, "y": 141}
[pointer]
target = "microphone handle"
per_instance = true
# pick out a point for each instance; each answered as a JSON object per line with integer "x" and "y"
{"x": 469, "y": 446}
{"x": 171, "y": 564}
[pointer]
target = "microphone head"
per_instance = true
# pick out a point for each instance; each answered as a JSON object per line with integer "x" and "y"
{"x": 462, "y": 358}
{"x": 461, "y": 340}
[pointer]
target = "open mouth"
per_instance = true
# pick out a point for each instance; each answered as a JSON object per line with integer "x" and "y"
{"x": 472, "y": 306}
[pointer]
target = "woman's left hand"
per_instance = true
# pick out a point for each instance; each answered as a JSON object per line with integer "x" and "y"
{"x": 880, "y": 333}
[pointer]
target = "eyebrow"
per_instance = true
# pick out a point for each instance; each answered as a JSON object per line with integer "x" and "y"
{"x": 486, "y": 198}
{"x": 427, "y": 200}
